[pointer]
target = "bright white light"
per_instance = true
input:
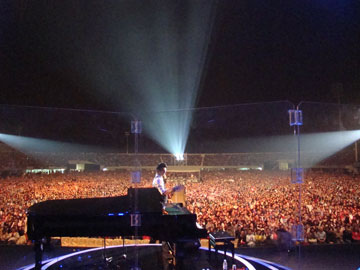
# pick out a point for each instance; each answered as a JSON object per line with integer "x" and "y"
{"x": 39, "y": 148}
{"x": 319, "y": 146}
{"x": 179, "y": 156}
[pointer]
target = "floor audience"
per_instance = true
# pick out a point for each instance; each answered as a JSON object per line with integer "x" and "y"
{"x": 254, "y": 206}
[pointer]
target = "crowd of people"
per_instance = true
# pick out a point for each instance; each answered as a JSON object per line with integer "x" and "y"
{"x": 254, "y": 206}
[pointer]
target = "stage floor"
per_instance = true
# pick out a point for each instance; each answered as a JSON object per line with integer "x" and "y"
{"x": 309, "y": 257}
{"x": 150, "y": 257}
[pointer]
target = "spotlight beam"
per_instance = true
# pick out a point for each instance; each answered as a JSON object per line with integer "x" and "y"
{"x": 40, "y": 148}
{"x": 155, "y": 62}
{"x": 314, "y": 147}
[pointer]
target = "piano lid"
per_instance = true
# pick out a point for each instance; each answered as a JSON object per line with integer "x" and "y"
{"x": 142, "y": 200}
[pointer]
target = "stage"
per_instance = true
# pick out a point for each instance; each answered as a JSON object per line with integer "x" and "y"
{"x": 150, "y": 257}
{"x": 330, "y": 257}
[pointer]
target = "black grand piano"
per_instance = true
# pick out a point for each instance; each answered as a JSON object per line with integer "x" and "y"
{"x": 139, "y": 213}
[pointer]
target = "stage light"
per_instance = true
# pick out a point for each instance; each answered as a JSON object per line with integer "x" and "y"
{"x": 179, "y": 156}
{"x": 40, "y": 148}
{"x": 160, "y": 59}
{"x": 314, "y": 147}
{"x": 318, "y": 146}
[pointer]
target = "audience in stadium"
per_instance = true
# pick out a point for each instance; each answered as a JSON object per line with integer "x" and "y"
{"x": 254, "y": 206}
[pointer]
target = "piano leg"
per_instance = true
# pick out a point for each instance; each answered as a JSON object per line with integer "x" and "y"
{"x": 104, "y": 252}
{"x": 168, "y": 256}
{"x": 38, "y": 247}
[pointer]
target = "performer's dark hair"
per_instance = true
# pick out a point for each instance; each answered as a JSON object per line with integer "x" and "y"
{"x": 161, "y": 166}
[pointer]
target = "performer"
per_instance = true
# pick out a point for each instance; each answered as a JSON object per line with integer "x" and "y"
{"x": 159, "y": 182}
{"x": 160, "y": 179}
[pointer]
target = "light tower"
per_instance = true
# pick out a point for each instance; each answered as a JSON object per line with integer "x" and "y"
{"x": 297, "y": 173}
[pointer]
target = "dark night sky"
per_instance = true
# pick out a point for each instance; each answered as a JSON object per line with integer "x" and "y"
{"x": 285, "y": 50}
{"x": 259, "y": 51}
